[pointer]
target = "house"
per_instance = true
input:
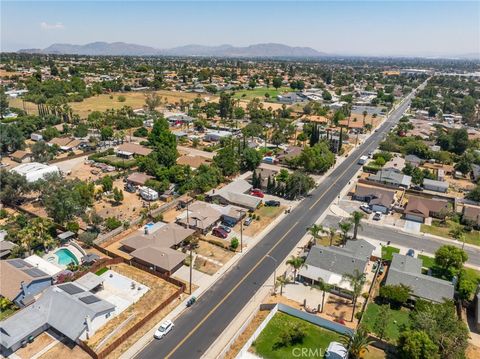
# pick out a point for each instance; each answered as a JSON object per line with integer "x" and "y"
{"x": 6, "y": 248}
{"x": 179, "y": 118}
{"x": 21, "y": 281}
{"x": 21, "y": 156}
{"x": 216, "y": 135}
{"x": 471, "y": 215}
{"x": 289, "y": 153}
{"x": 44, "y": 265}
{"x": 35, "y": 171}
{"x": 434, "y": 185}
{"x": 419, "y": 208}
{"x": 391, "y": 176}
{"x": 235, "y": 193}
{"x": 414, "y": 160}
{"x": 69, "y": 308}
{"x": 379, "y": 199}
{"x": 193, "y": 161}
{"x": 138, "y": 179}
{"x": 289, "y": 98}
{"x": 130, "y": 149}
{"x": 407, "y": 270}
{"x": 331, "y": 263}
{"x": 65, "y": 143}
{"x": 395, "y": 162}
{"x": 264, "y": 173}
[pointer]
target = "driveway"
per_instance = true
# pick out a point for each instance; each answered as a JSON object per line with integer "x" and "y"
{"x": 412, "y": 227}
{"x": 198, "y": 278}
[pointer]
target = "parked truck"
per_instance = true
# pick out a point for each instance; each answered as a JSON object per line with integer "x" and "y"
{"x": 362, "y": 160}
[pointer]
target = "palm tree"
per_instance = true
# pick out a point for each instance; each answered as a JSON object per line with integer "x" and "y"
{"x": 315, "y": 230}
{"x": 365, "y": 113}
{"x": 345, "y": 227}
{"x": 280, "y": 282}
{"x": 357, "y": 343}
{"x": 356, "y": 218}
{"x": 27, "y": 236}
{"x": 296, "y": 262}
{"x": 356, "y": 280}
{"x": 331, "y": 234}
{"x": 324, "y": 287}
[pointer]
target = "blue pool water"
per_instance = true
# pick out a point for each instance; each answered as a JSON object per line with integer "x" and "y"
{"x": 65, "y": 257}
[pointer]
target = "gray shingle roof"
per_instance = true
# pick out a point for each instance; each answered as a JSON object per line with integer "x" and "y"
{"x": 407, "y": 270}
{"x": 355, "y": 255}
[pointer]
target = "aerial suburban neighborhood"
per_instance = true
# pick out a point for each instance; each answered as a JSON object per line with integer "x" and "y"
{"x": 265, "y": 201}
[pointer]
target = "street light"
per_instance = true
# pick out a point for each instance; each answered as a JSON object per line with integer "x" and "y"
{"x": 274, "y": 270}
{"x": 242, "y": 211}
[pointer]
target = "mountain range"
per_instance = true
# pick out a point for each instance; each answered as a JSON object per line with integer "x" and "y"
{"x": 125, "y": 49}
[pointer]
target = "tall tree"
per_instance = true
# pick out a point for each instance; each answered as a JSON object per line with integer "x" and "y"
{"x": 356, "y": 280}
{"x": 297, "y": 263}
{"x": 356, "y": 218}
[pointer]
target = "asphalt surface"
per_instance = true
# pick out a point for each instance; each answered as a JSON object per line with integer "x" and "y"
{"x": 418, "y": 242}
{"x": 199, "y": 326}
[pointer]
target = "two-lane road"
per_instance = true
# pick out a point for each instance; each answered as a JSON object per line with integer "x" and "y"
{"x": 197, "y": 328}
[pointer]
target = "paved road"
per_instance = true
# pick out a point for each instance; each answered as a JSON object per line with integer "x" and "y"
{"x": 418, "y": 242}
{"x": 197, "y": 328}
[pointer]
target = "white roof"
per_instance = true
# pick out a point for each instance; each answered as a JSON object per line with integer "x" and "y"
{"x": 45, "y": 266}
{"x": 34, "y": 171}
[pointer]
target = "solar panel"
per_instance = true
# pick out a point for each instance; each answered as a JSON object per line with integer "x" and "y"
{"x": 17, "y": 263}
{"x": 70, "y": 288}
{"x": 89, "y": 299}
{"x": 35, "y": 272}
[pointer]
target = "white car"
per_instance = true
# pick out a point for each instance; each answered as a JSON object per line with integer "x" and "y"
{"x": 166, "y": 327}
{"x": 377, "y": 216}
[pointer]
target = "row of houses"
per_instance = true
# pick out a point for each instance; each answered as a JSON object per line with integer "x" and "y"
{"x": 330, "y": 264}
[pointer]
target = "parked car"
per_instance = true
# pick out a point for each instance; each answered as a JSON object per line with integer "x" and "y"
{"x": 219, "y": 232}
{"x": 272, "y": 203}
{"x": 229, "y": 222}
{"x": 417, "y": 188}
{"x": 365, "y": 208}
{"x": 164, "y": 329}
{"x": 191, "y": 301}
{"x": 248, "y": 220}
{"x": 225, "y": 228}
{"x": 257, "y": 193}
{"x": 377, "y": 216}
{"x": 411, "y": 253}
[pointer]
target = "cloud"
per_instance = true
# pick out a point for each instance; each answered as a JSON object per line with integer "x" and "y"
{"x": 46, "y": 26}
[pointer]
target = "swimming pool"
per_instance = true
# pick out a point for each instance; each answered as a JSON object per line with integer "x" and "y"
{"x": 65, "y": 257}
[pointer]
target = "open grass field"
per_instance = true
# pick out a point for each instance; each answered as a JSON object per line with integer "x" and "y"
{"x": 387, "y": 252}
{"x": 260, "y": 93}
{"x": 316, "y": 339}
{"x": 443, "y": 230}
{"x": 107, "y": 101}
{"x": 428, "y": 262}
{"x": 398, "y": 319}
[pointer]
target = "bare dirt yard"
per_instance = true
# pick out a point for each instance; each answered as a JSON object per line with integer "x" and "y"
{"x": 65, "y": 349}
{"x": 266, "y": 214}
{"x": 40, "y": 343}
{"x": 159, "y": 291}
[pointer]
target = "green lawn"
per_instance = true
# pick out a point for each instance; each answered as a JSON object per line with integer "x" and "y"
{"x": 428, "y": 262}
{"x": 398, "y": 319}
{"x": 387, "y": 252}
{"x": 472, "y": 274}
{"x": 260, "y": 93}
{"x": 443, "y": 230}
{"x": 101, "y": 271}
{"x": 317, "y": 338}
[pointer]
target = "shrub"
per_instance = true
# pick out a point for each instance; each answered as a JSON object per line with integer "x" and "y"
{"x": 87, "y": 238}
{"x": 234, "y": 243}
{"x": 395, "y": 294}
{"x": 112, "y": 223}
{"x": 141, "y": 132}
{"x": 121, "y": 98}
{"x": 73, "y": 226}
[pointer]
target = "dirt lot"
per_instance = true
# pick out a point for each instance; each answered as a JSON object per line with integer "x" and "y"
{"x": 246, "y": 334}
{"x": 267, "y": 215}
{"x": 128, "y": 210}
{"x": 159, "y": 291}
{"x": 65, "y": 349}
{"x": 214, "y": 252}
{"x": 38, "y": 344}
{"x": 104, "y": 102}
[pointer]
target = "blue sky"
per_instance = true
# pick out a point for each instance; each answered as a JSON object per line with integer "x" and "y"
{"x": 425, "y": 28}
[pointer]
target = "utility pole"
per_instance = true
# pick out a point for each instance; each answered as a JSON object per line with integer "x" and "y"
{"x": 191, "y": 250}
{"x": 241, "y": 229}
{"x": 274, "y": 270}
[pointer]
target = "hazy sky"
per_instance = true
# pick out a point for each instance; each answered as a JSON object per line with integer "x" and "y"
{"x": 425, "y": 28}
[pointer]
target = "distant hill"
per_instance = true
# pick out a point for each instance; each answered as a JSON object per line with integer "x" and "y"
{"x": 124, "y": 49}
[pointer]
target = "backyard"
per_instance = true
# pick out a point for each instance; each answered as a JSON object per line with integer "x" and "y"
{"x": 443, "y": 230}
{"x": 388, "y": 251}
{"x": 398, "y": 319}
{"x": 316, "y": 338}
